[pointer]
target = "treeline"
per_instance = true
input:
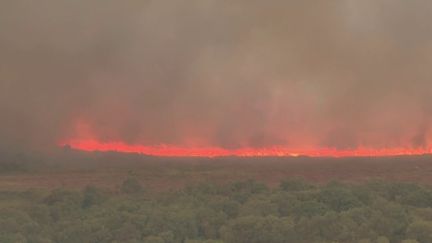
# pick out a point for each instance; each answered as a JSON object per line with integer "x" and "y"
{"x": 245, "y": 211}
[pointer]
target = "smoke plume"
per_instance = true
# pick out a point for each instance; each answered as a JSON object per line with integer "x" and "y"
{"x": 336, "y": 74}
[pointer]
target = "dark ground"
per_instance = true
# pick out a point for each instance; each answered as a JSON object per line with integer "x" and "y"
{"x": 107, "y": 170}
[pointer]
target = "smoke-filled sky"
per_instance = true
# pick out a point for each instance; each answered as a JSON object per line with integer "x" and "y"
{"x": 249, "y": 73}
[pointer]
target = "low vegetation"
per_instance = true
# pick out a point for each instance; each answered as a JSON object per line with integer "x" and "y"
{"x": 245, "y": 211}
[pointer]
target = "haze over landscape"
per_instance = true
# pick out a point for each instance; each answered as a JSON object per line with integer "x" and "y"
{"x": 287, "y": 78}
{"x": 215, "y": 121}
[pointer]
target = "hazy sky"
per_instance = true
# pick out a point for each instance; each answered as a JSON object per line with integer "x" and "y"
{"x": 245, "y": 73}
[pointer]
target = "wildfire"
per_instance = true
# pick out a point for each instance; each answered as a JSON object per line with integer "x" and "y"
{"x": 176, "y": 151}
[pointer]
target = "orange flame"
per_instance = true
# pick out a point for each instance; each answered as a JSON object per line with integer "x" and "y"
{"x": 176, "y": 151}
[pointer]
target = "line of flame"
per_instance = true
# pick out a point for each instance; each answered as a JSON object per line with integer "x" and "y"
{"x": 176, "y": 151}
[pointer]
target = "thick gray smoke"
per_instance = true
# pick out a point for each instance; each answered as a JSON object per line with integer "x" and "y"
{"x": 341, "y": 73}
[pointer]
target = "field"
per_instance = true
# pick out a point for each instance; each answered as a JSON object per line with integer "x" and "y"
{"x": 72, "y": 169}
{"x": 72, "y": 196}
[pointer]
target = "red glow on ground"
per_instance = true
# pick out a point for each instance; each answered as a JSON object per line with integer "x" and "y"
{"x": 173, "y": 151}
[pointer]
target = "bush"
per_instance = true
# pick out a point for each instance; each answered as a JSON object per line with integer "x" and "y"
{"x": 245, "y": 211}
{"x": 92, "y": 196}
{"x": 295, "y": 184}
{"x": 131, "y": 185}
{"x": 420, "y": 231}
{"x": 253, "y": 229}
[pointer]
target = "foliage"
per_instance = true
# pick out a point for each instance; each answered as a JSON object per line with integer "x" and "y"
{"x": 131, "y": 185}
{"x": 244, "y": 211}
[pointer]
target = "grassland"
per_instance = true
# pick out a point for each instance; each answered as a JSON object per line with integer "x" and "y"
{"x": 72, "y": 169}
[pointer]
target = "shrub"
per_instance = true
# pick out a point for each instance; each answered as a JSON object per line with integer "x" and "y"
{"x": 131, "y": 185}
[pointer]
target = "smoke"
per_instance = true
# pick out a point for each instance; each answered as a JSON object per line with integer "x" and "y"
{"x": 232, "y": 74}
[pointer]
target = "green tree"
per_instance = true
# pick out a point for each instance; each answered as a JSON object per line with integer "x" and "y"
{"x": 295, "y": 184}
{"x": 389, "y": 219}
{"x": 339, "y": 198}
{"x": 253, "y": 229}
{"x": 382, "y": 239}
{"x": 329, "y": 227}
{"x": 259, "y": 206}
{"x": 308, "y": 208}
{"x": 421, "y": 231}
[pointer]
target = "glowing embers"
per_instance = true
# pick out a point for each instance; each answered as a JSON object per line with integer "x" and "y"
{"x": 175, "y": 151}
